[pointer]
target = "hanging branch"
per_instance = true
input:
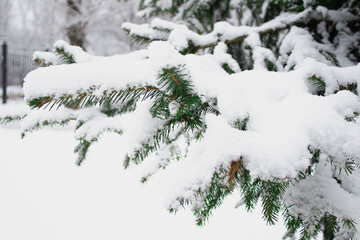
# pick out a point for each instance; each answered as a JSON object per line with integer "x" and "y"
{"x": 87, "y": 97}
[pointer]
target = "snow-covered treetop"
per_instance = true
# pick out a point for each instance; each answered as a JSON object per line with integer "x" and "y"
{"x": 270, "y": 108}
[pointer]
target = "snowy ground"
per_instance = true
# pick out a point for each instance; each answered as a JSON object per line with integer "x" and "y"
{"x": 43, "y": 196}
{"x": 13, "y": 91}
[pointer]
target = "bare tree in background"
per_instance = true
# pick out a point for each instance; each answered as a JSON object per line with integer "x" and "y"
{"x": 92, "y": 24}
{"x": 76, "y": 30}
{"x": 5, "y": 7}
{"x": 95, "y": 25}
{"x": 32, "y": 24}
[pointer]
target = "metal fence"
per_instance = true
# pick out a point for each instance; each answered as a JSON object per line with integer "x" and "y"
{"x": 16, "y": 62}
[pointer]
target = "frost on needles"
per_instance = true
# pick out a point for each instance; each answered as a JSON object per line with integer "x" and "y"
{"x": 255, "y": 96}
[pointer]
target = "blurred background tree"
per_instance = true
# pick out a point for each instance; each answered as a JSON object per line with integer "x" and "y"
{"x": 94, "y": 25}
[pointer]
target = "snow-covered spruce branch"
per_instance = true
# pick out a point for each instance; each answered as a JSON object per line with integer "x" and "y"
{"x": 285, "y": 133}
{"x": 173, "y": 87}
{"x": 205, "y": 198}
{"x": 167, "y": 152}
{"x": 189, "y": 117}
{"x": 42, "y": 118}
{"x": 45, "y": 123}
{"x": 62, "y": 53}
{"x": 45, "y": 59}
{"x": 89, "y": 97}
{"x": 12, "y": 113}
{"x": 188, "y": 41}
{"x": 11, "y": 118}
{"x": 88, "y": 131}
{"x": 90, "y": 122}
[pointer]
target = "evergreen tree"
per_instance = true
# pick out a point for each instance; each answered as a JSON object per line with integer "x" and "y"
{"x": 259, "y": 96}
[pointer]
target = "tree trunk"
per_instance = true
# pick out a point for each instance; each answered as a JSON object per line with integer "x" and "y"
{"x": 76, "y": 31}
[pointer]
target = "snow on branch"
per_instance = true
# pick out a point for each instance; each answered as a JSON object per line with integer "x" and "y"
{"x": 276, "y": 115}
{"x": 186, "y": 40}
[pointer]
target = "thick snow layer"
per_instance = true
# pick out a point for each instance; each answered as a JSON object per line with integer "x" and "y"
{"x": 123, "y": 71}
{"x": 108, "y": 73}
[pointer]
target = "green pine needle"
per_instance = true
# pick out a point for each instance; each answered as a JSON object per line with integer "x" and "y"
{"x": 11, "y": 118}
{"x": 65, "y": 56}
{"x": 318, "y": 83}
{"x": 41, "y": 62}
{"x": 51, "y": 123}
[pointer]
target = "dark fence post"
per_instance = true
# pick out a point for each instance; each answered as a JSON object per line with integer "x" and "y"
{"x": 4, "y": 72}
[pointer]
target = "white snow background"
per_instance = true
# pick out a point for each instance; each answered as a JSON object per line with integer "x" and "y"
{"x": 45, "y": 196}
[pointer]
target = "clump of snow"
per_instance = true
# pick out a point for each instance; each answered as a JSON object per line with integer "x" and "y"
{"x": 79, "y": 55}
{"x": 159, "y": 23}
{"x": 334, "y": 77}
{"x": 95, "y": 123}
{"x": 164, "y": 55}
{"x": 308, "y": 3}
{"x": 144, "y": 30}
{"x": 260, "y": 54}
{"x": 322, "y": 195}
{"x": 222, "y": 57}
{"x": 298, "y": 45}
{"x": 336, "y": 16}
{"x": 48, "y": 57}
{"x": 138, "y": 126}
